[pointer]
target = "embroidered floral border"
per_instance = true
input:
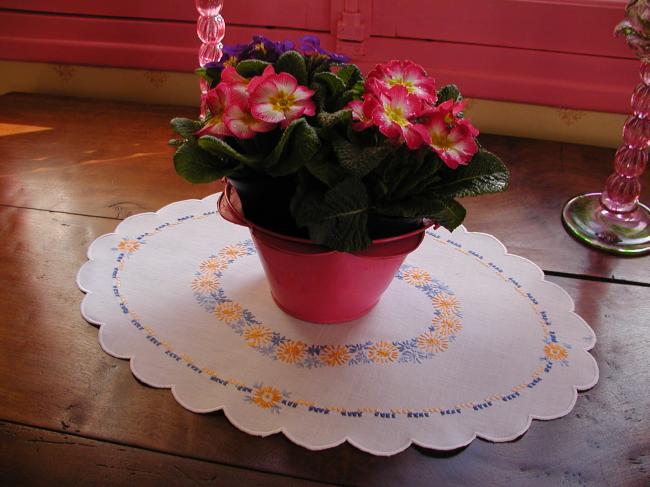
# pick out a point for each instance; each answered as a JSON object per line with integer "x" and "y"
{"x": 273, "y": 399}
{"x": 442, "y": 329}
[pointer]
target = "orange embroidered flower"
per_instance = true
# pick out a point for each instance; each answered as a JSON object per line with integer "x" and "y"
{"x": 266, "y": 397}
{"x": 555, "y": 351}
{"x": 432, "y": 342}
{"x": 205, "y": 284}
{"x": 416, "y": 277}
{"x": 291, "y": 352}
{"x": 383, "y": 352}
{"x": 257, "y": 335}
{"x": 447, "y": 324}
{"x": 446, "y": 302}
{"x": 228, "y": 311}
{"x": 333, "y": 355}
{"x": 213, "y": 265}
{"x": 128, "y": 246}
{"x": 233, "y": 251}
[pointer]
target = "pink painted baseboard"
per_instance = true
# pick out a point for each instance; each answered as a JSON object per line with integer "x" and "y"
{"x": 550, "y": 52}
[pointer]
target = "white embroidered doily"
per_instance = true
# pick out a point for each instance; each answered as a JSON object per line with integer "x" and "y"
{"x": 467, "y": 341}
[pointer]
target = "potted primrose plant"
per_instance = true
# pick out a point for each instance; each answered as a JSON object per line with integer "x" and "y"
{"x": 335, "y": 173}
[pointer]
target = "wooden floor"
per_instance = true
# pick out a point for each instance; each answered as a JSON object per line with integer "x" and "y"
{"x": 72, "y": 415}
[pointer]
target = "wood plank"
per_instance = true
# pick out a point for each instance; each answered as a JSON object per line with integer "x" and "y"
{"x": 112, "y": 159}
{"x": 99, "y": 158}
{"x": 36, "y": 457}
{"x": 526, "y": 218}
{"x": 54, "y": 375}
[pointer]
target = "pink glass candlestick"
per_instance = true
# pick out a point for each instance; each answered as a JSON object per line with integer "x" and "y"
{"x": 210, "y": 28}
{"x": 615, "y": 220}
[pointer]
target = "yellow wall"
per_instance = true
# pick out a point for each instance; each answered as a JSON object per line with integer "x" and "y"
{"x": 496, "y": 117}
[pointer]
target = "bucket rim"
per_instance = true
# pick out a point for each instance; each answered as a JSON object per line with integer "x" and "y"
{"x": 229, "y": 188}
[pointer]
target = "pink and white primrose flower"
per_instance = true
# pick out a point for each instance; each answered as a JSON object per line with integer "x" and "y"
{"x": 235, "y": 82}
{"x": 280, "y": 99}
{"x": 362, "y": 112}
{"x": 240, "y": 121}
{"x": 257, "y": 80}
{"x": 402, "y": 73}
{"x": 216, "y": 100}
{"x": 452, "y": 115}
{"x": 393, "y": 114}
{"x": 454, "y": 144}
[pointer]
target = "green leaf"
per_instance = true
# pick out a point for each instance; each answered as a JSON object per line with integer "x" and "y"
{"x": 211, "y": 75}
{"x": 203, "y": 73}
{"x": 293, "y": 63}
{"x": 324, "y": 168}
{"x": 198, "y": 166}
{"x": 350, "y": 74}
{"x": 328, "y": 120}
{"x": 449, "y": 92}
{"x": 298, "y": 144}
{"x": 485, "y": 173}
{"x": 335, "y": 85}
{"x": 220, "y": 147}
{"x": 337, "y": 218}
{"x": 421, "y": 170}
{"x": 251, "y": 67}
{"x": 185, "y": 127}
{"x": 320, "y": 95}
{"x": 358, "y": 89}
{"x": 359, "y": 161}
{"x": 446, "y": 212}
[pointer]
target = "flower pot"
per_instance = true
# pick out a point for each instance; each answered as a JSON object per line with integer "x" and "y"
{"x": 265, "y": 202}
{"x": 316, "y": 284}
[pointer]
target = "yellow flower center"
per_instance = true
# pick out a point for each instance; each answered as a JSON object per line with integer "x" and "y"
{"x": 282, "y": 102}
{"x": 248, "y": 120}
{"x": 399, "y": 81}
{"x": 441, "y": 142}
{"x": 396, "y": 115}
{"x": 449, "y": 119}
{"x": 261, "y": 48}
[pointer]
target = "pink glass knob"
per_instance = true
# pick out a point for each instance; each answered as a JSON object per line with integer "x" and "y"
{"x": 210, "y": 29}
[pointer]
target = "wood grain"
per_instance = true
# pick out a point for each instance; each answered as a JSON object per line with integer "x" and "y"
{"x": 111, "y": 159}
{"x": 65, "y": 459}
{"x": 54, "y": 375}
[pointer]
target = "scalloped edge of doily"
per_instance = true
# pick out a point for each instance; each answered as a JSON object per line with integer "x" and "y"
{"x": 284, "y": 429}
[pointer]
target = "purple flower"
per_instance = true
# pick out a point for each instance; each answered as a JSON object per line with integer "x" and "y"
{"x": 310, "y": 45}
{"x": 284, "y": 46}
{"x": 260, "y": 48}
{"x": 234, "y": 50}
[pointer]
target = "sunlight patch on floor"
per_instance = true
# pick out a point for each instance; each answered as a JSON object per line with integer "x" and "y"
{"x": 15, "y": 129}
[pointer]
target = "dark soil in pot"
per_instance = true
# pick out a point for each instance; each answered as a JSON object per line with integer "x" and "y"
{"x": 380, "y": 226}
{"x": 265, "y": 202}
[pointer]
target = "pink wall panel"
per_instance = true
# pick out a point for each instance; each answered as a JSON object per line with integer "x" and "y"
{"x": 562, "y": 26}
{"x": 114, "y": 42}
{"x": 553, "y": 52}
{"x": 546, "y": 78}
{"x": 299, "y": 14}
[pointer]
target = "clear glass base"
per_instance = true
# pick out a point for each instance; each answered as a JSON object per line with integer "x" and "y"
{"x": 621, "y": 233}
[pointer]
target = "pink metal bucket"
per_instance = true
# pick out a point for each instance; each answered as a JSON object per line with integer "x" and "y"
{"x": 316, "y": 284}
